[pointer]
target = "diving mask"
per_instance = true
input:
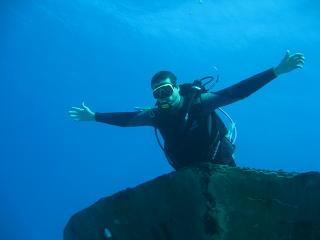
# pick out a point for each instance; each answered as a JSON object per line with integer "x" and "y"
{"x": 163, "y": 91}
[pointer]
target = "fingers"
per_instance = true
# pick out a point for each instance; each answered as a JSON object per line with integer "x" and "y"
{"x": 290, "y": 62}
{"x": 79, "y": 109}
{"x": 75, "y": 117}
{"x": 84, "y": 106}
{"x": 78, "y": 113}
{"x": 296, "y": 60}
{"x": 73, "y": 112}
{"x": 298, "y": 66}
{"x": 286, "y": 56}
{"x": 299, "y": 61}
{"x": 294, "y": 56}
{"x": 298, "y": 55}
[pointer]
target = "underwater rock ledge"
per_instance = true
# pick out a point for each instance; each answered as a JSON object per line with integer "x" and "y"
{"x": 205, "y": 202}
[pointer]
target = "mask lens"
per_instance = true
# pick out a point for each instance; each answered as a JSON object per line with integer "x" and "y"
{"x": 163, "y": 91}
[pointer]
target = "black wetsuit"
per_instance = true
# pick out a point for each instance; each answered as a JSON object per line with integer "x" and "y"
{"x": 194, "y": 145}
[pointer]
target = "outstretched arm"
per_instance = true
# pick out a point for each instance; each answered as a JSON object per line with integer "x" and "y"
{"x": 250, "y": 85}
{"x": 122, "y": 119}
{"x": 126, "y": 119}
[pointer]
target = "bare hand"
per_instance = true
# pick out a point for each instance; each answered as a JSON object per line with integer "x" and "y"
{"x": 81, "y": 114}
{"x": 289, "y": 63}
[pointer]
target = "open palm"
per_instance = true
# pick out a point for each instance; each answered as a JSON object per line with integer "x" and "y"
{"x": 81, "y": 114}
{"x": 290, "y": 62}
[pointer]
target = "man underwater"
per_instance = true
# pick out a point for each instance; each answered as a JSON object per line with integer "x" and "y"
{"x": 191, "y": 129}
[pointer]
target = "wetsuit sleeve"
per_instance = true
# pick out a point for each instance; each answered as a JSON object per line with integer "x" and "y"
{"x": 238, "y": 91}
{"x": 126, "y": 119}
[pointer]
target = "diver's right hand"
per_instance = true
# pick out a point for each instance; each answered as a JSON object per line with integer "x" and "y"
{"x": 82, "y": 114}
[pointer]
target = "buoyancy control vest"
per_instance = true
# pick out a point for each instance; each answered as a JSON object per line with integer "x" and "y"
{"x": 190, "y": 134}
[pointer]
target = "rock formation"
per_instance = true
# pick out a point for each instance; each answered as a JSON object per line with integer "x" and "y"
{"x": 205, "y": 202}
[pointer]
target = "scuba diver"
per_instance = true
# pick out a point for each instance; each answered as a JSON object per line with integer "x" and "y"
{"x": 186, "y": 116}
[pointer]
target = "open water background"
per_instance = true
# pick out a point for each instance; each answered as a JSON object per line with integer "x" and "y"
{"x": 54, "y": 54}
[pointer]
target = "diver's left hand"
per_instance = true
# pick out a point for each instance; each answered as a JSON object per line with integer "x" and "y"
{"x": 289, "y": 63}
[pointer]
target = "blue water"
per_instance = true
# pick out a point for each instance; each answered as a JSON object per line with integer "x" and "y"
{"x": 56, "y": 54}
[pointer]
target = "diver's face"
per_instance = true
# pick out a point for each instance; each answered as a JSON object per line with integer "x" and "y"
{"x": 166, "y": 94}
